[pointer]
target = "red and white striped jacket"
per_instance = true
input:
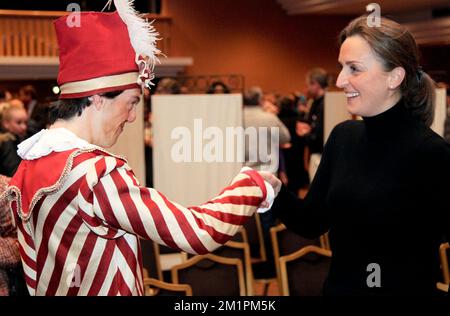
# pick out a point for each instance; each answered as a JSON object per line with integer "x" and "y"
{"x": 80, "y": 213}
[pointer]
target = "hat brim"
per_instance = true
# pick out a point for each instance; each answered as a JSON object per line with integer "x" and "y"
{"x": 85, "y": 88}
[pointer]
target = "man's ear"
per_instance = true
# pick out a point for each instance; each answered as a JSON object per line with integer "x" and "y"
{"x": 97, "y": 101}
{"x": 396, "y": 77}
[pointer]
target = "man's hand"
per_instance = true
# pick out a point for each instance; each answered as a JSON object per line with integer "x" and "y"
{"x": 272, "y": 180}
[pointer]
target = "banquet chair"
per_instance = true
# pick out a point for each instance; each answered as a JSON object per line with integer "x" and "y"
{"x": 240, "y": 250}
{"x": 285, "y": 242}
{"x": 304, "y": 271}
{"x": 154, "y": 287}
{"x": 444, "y": 254}
{"x": 211, "y": 275}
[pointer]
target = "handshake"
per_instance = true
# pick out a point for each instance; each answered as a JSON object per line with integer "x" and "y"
{"x": 272, "y": 191}
{"x": 273, "y": 186}
{"x": 272, "y": 180}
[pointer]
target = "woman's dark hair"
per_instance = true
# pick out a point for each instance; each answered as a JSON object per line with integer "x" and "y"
{"x": 395, "y": 47}
{"x": 65, "y": 109}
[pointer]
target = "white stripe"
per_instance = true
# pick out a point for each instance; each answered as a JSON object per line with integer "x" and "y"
{"x": 28, "y": 271}
{"x": 31, "y": 290}
{"x": 125, "y": 269}
{"x": 204, "y": 238}
{"x": 132, "y": 242}
{"x": 55, "y": 240}
{"x": 84, "y": 205}
{"x": 240, "y": 176}
{"x": 143, "y": 210}
{"x": 92, "y": 266}
{"x": 247, "y": 191}
{"x": 111, "y": 163}
{"x": 27, "y": 249}
{"x": 99, "y": 83}
{"x": 116, "y": 204}
{"x": 72, "y": 260}
{"x": 216, "y": 224}
{"x": 228, "y": 208}
{"x": 92, "y": 177}
{"x": 112, "y": 270}
{"x": 171, "y": 222}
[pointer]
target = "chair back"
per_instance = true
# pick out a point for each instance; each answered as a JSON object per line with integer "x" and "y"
{"x": 154, "y": 287}
{"x": 240, "y": 250}
{"x": 303, "y": 272}
{"x": 444, "y": 255}
{"x": 241, "y": 236}
{"x": 255, "y": 236}
{"x": 211, "y": 275}
{"x": 285, "y": 242}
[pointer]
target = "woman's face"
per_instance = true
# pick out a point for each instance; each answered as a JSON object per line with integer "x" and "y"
{"x": 17, "y": 122}
{"x": 369, "y": 89}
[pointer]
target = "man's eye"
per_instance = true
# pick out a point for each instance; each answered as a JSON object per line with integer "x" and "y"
{"x": 353, "y": 69}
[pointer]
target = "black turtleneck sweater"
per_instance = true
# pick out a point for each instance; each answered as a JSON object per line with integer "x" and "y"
{"x": 383, "y": 191}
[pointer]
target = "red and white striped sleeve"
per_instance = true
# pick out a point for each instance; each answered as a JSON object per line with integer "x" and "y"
{"x": 112, "y": 203}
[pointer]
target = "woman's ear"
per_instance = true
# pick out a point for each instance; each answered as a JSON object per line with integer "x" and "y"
{"x": 97, "y": 101}
{"x": 396, "y": 77}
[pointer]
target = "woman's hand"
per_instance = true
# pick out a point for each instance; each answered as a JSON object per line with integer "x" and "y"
{"x": 272, "y": 180}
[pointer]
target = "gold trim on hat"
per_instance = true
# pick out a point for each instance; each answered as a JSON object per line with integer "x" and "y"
{"x": 99, "y": 83}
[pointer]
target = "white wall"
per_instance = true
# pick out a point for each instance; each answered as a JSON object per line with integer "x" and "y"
{"x": 440, "y": 112}
{"x": 335, "y": 111}
{"x": 192, "y": 183}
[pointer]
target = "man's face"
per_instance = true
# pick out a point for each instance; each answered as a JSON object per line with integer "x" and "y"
{"x": 25, "y": 97}
{"x": 312, "y": 88}
{"x": 113, "y": 115}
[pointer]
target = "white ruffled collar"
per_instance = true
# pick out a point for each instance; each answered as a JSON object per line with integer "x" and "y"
{"x": 50, "y": 140}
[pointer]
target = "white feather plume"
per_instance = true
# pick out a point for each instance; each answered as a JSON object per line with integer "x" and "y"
{"x": 143, "y": 35}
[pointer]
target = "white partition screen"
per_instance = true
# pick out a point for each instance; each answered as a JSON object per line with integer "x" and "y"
{"x": 335, "y": 111}
{"x": 440, "y": 112}
{"x": 190, "y": 145}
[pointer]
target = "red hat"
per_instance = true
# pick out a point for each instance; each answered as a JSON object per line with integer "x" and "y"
{"x": 107, "y": 52}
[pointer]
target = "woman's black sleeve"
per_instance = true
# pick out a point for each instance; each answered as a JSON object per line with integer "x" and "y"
{"x": 309, "y": 217}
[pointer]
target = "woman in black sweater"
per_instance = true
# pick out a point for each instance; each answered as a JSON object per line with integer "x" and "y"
{"x": 382, "y": 187}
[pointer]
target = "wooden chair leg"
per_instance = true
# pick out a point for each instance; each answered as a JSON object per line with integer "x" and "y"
{"x": 266, "y": 288}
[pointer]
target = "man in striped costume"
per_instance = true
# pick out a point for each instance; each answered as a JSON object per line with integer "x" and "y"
{"x": 79, "y": 209}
